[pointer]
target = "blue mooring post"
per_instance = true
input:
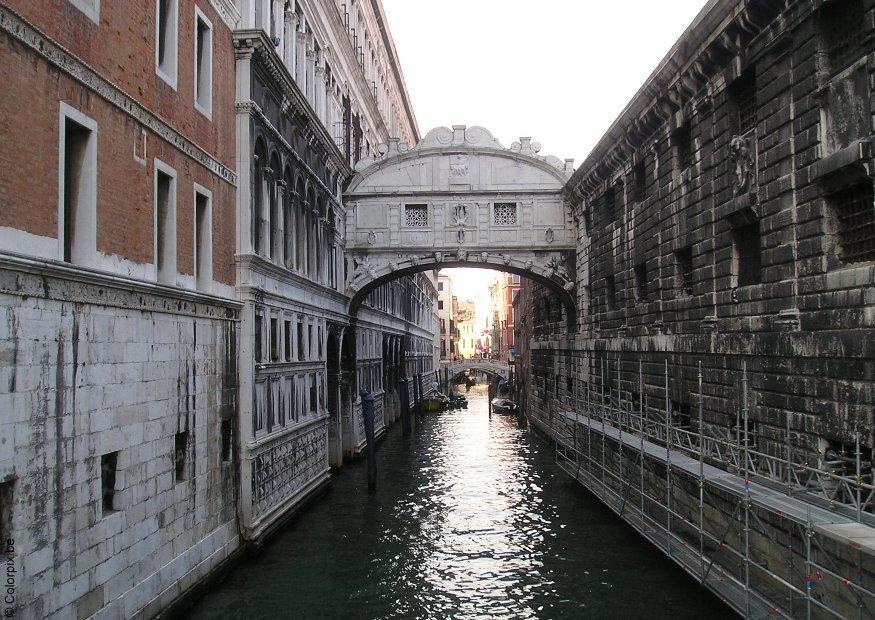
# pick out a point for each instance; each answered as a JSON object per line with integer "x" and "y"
{"x": 368, "y": 415}
{"x": 405, "y": 405}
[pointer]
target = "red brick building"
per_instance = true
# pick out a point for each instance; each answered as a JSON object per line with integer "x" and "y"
{"x": 117, "y": 238}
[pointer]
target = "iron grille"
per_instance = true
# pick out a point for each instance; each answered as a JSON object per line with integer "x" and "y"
{"x": 843, "y": 33}
{"x": 684, "y": 258}
{"x": 641, "y": 291}
{"x": 744, "y": 95}
{"x": 416, "y": 216}
{"x": 683, "y": 147}
{"x": 856, "y": 223}
{"x": 505, "y": 214}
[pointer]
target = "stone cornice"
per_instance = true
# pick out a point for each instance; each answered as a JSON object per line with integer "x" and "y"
{"x": 17, "y": 28}
{"x": 677, "y": 87}
{"x": 46, "y": 279}
{"x": 254, "y": 43}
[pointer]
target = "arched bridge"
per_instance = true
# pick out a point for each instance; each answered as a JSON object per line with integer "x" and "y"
{"x": 490, "y": 367}
{"x": 459, "y": 198}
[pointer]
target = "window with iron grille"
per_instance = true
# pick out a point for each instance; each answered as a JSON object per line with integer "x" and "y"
{"x": 639, "y": 175}
{"x": 743, "y": 94}
{"x": 610, "y": 202}
{"x": 683, "y": 147}
{"x": 504, "y": 214}
{"x": 416, "y": 216}
{"x": 746, "y": 250}
{"x": 843, "y": 33}
{"x": 641, "y": 281}
{"x": 684, "y": 270}
{"x": 855, "y": 215}
{"x": 611, "y": 292}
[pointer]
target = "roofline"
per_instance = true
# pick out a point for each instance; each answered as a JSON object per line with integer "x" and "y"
{"x": 684, "y": 49}
{"x": 389, "y": 42}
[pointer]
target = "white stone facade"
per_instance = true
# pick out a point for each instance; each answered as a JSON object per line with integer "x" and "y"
{"x": 96, "y": 369}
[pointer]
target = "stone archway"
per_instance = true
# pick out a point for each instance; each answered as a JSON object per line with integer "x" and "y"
{"x": 460, "y": 199}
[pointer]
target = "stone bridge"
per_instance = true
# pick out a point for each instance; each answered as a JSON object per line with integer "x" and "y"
{"x": 490, "y": 367}
{"x": 460, "y": 199}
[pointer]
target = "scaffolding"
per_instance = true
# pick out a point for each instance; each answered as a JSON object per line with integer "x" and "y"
{"x": 770, "y": 536}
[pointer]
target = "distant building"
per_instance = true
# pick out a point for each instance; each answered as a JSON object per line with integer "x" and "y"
{"x": 466, "y": 322}
{"x": 502, "y": 315}
{"x": 446, "y": 322}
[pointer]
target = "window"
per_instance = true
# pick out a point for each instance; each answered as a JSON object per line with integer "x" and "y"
{"x": 287, "y": 340}
{"x": 180, "y": 453}
{"x": 440, "y": 286}
{"x": 227, "y": 430}
{"x": 844, "y": 36}
{"x": 416, "y": 216}
{"x": 108, "y": 469}
{"x": 610, "y": 202}
{"x": 203, "y": 64}
{"x": 684, "y": 270}
{"x": 77, "y": 189}
{"x": 313, "y": 397}
{"x": 505, "y": 214}
{"x": 6, "y": 504}
{"x": 639, "y": 175}
{"x": 683, "y": 147}
{"x": 203, "y": 242}
{"x": 91, "y": 8}
{"x": 258, "y": 320}
{"x": 743, "y": 95}
{"x": 440, "y": 304}
{"x": 300, "y": 341}
{"x": 166, "y": 14}
{"x": 274, "y": 344}
{"x": 611, "y": 293}
{"x": 746, "y": 254}
{"x": 165, "y": 223}
{"x": 854, "y": 214}
{"x": 641, "y": 281}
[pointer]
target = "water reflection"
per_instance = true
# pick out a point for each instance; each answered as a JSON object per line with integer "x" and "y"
{"x": 471, "y": 519}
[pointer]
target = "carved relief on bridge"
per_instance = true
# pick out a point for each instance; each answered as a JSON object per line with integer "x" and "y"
{"x": 460, "y": 197}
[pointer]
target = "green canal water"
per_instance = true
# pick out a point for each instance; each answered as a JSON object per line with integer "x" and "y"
{"x": 471, "y": 518}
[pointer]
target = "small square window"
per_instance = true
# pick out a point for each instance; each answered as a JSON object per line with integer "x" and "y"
{"x": 505, "y": 214}
{"x": 180, "y": 455}
{"x": 416, "y": 216}
{"x": 108, "y": 469}
{"x": 854, "y": 212}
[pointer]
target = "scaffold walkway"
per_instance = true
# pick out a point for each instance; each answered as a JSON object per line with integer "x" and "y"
{"x": 800, "y": 578}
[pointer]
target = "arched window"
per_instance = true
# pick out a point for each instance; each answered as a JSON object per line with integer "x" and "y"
{"x": 301, "y": 228}
{"x": 312, "y": 236}
{"x": 289, "y": 219}
{"x": 274, "y": 250}
{"x": 259, "y": 161}
{"x": 332, "y": 249}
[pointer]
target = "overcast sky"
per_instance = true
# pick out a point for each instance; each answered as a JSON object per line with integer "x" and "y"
{"x": 559, "y": 71}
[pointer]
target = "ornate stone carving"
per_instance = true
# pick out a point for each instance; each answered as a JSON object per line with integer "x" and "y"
{"x": 484, "y": 257}
{"x": 742, "y": 161}
{"x": 461, "y": 235}
{"x": 439, "y": 257}
{"x": 459, "y": 165}
{"x": 505, "y": 258}
{"x": 460, "y": 215}
{"x": 371, "y": 237}
{"x": 549, "y": 235}
{"x": 462, "y": 254}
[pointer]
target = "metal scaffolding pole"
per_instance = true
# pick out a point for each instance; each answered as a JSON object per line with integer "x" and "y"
{"x": 701, "y": 479}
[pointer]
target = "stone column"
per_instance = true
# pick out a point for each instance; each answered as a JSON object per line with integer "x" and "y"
{"x": 290, "y": 40}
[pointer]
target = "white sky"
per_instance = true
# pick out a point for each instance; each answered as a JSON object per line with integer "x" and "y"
{"x": 559, "y": 71}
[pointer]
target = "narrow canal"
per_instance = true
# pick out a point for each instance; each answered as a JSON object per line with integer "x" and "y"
{"x": 471, "y": 518}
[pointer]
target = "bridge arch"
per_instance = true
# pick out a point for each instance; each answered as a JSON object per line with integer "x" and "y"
{"x": 460, "y": 199}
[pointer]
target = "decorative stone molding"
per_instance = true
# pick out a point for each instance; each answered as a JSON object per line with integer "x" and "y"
{"x": 19, "y": 29}
{"x": 742, "y": 163}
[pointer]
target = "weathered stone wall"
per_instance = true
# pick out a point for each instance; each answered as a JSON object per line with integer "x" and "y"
{"x": 93, "y": 369}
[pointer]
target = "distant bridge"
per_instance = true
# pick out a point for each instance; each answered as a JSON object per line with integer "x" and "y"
{"x": 490, "y": 367}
